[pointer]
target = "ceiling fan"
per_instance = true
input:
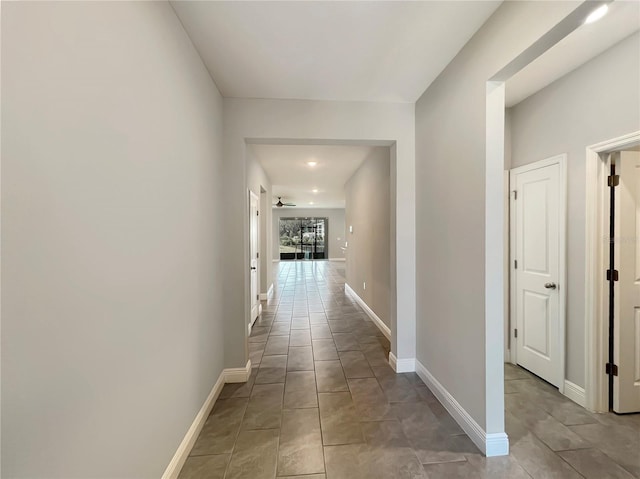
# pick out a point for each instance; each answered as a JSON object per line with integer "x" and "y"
{"x": 280, "y": 204}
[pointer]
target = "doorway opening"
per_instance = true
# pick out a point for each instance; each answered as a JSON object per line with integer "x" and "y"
{"x": 612, "y": 307}
{"x": 335, "y": 202}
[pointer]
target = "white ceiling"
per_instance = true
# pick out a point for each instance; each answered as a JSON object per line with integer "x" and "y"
{"x": 294, "y": 180}
{"x": 582, "y": 45}
{"x": 351, "y": 51}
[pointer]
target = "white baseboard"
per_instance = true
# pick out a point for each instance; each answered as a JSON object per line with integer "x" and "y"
{"x": 267, "y": 295}
{"x": 374, "y": 317}
{"x": 337, "y": 259}
{"x": 179, "y": 458}
{"x": 237, "y": 375}
{"x": 251, "y": 323}
{"x": 495, "y": 444}
{"x": 402, "y": 365}
{"x": 250, "y": 326}
{"x": 575, "y": 393}
{"x": 392, "y": 361}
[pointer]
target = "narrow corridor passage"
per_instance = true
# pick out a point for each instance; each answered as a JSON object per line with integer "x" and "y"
{"x": 323, "y": 402}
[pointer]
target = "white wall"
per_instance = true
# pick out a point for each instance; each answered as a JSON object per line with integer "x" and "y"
{"x": 111, "y": 238}
{"x": 598, "y": 101}
{"x": 335, "y": 236}
{"x": 293, "y": 121}
{"x": 450, "y": 211}
{"x": 257, "y": 180}
{"x": 368, "y": 202}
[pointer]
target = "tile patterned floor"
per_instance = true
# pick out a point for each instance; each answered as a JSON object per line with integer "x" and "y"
{"x": 551, "y": 436}
{"x": 322, "y": 402}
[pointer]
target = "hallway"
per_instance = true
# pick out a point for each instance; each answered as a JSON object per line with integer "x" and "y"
{"x": 323, "y": 402}
{"x": 322, "y": 399}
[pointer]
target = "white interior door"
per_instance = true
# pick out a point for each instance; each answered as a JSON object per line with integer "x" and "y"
{"x": 253, "y": 253}
{"x": 539, "y": 243}
{"x": 626, "y": 386}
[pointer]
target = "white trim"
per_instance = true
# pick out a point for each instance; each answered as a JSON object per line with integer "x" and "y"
{"x": 177, "y": 461}
{"x": 620, "y": 143}
{"x": 266, "y": 296}
{"x": 562, "y": 272}
{"x": 596, "y": 297}
{"x": 507, "y": 269}
{"x": 513, "y": 341}
{"x": 238, "y": 375}
{"x": 337, "y": 259}
{"x": 494, "y": 444}
{"x": 574, "y": 392}
{"x": 252, "y": 322}
{"x": 234, "y": 375}
{"x": 407, "y": 365}
{"x": 276, "y": 260}
{"x": 252, "y": 319}
{"x": 374, "y": 317}
{"x": 493, "y": 340}
{"x": 561, "y": 161}
{"x": 497, "y": 444}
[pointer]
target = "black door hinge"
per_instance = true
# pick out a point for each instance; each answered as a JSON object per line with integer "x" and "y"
{"x": 257, "y": 255}
{"x": 613, "y": 180}
{"x": 612, "y": 275}
{"x": 257, "y": 213}
{"x": 611, "y": 369}
{"x": 515, "y": 264}
{"x": 515, "y": 194}
{"x": 515, "y": 333}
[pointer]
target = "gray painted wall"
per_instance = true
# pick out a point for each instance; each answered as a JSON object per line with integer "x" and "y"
{"x": 111, "y": 238}
{"x": 598, "y": 101}
{"x": 335, "y": 235}
{"x": 368, "y": 203}
{"x": 450, "y": 210}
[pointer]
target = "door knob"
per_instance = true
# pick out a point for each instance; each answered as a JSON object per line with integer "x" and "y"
{"x": 253, "y": 267}
{"x": 550, "y": 285}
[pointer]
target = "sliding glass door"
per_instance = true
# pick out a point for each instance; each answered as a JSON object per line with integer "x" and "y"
{"x": 303, "y": 238}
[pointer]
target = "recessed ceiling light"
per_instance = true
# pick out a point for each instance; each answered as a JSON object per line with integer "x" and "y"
{"x": 312, "y": 163}
{"x": 310, "y": 202}
{"x": 597, "y": 14}
{"x": 315, "y": 190}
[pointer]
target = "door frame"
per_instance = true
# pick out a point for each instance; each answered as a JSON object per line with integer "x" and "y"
{"x": 596, "y": 293}
{"x": 252, "y": 320}
{"x": 560, "y": 160}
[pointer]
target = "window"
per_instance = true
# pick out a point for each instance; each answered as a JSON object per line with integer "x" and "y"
{"x": 303, "y": 238}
